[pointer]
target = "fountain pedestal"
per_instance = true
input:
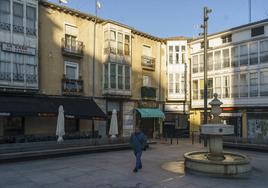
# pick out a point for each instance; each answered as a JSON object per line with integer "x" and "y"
{"x": 215, "y": 162}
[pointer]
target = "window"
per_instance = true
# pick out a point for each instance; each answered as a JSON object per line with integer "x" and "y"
{"x": 226, "y": 58}
{"x": 18, "y": 68}
{"x": 120, "y": 76}
{"x": 257, "y": 31}
{"x": 210, "y": 88}
{"x": 147, "y": 81}
{"x": 177, "y": 83}
{"x": 147, "y": 51}
{"x": 170, "y": 49}
{"x": 120, "y": 44}
{"x": 183, "y": 48}
{"x": 177, "y": 50}
{"x": 183, "y": 59}
{"x": 253, "y": 50}
{"x": 243, "y": 85}
{"x": 218, "y": 86}
{"x": 234, "y": 86}
{"x": 127, "y": 77}
{"x": 264, "y": 51}
{"x": 70, "y": 43}
{"x": 71, "y": 70}
{"x": 170, "y": 83}
{"x": 195, "y": 89}
{"x": 244, "y": 55}
{"x": 106, "y": 42}
{"x": 31, "y": 20}
{"x": 5, "y": 14}
{"x": 113, "y": 75}
{"x": 201, "y": 62}
{"x": 235, "y": 56}
{"x": 18, "y": 17}
{"x": 182, "y": 83}
{"x": 264, "y": 83}
{"x": 217, "y": 59}
{"x": 226, "y": 87}
{"x": 201, "y": 91}
{"x": 5, "y": 65}
{"x": 106, "y": 76}
{"x": 227, "y": 39}
{"x": 113, "y": 35}
{"x": 195, "y": 63}
{"x": 203, "y": 45}
{"x": 210, "y": 61}
{"x": 112, "y": 42}
{"x": 253, "y": 84}
{"x": 127, "y": 43}
{"x": 31, "y": 69}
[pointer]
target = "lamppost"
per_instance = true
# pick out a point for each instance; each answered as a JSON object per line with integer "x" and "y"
{"x": 205, "y": 27}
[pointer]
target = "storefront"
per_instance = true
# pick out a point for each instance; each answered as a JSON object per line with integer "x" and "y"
{"x": 176, "y": 121}
{"x": 37, "y": 116}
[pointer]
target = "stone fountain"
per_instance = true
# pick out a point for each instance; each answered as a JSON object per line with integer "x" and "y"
{"x": 215, "y": 162}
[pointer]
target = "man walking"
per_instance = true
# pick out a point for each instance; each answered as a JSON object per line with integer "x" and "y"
{"x": 137, "y": 142}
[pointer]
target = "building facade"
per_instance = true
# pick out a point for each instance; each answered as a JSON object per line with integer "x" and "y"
{"x": 237, "y": 72}
{"x": 177, "y": 98}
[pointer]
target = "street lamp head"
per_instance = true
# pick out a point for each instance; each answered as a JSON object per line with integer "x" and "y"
{"x": 209, "y": 10}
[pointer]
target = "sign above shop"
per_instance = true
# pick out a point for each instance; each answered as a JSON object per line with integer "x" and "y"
{"x": 176, "y": 108}
{"x": 18, "y": 49}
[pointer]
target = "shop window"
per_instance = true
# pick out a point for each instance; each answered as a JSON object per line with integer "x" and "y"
{"x": 13, "y": 126}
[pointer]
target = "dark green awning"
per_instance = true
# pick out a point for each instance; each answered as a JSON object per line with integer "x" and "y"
{"x": 151, "y": 113}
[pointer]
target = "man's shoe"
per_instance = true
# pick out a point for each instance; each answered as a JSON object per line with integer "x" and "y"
{"x": 135, "y": 170}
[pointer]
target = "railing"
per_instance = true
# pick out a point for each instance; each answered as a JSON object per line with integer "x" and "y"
{"x": 30, "y": 31}
{"x": 148, "y": 62}
{"x": 148, "y": 92}
{"x": 72, "y": 87}
{"x": 18, "y": 29}
{"x": 5, "y": 26}
{"x": 5, "y": 76}
{"x": 75, "y": 48}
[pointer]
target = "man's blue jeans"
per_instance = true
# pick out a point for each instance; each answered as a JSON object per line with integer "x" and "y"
{"x": 138, "y": 159}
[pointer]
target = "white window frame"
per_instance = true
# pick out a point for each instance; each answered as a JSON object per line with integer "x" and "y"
{"x": 72, "y": 64}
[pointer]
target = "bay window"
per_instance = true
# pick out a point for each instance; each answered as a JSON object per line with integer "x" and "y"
{"x": 30, "y": 20}
{"x": 18, "y": 17}
{"x": 244, "y": 55}
{"x": 264, "y": 51}
{"x": 5, "y": 14}
{"x": 253, "y": 52}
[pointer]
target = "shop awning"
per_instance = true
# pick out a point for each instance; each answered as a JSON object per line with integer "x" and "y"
{"x": 43, "y": 106}
{"x": 150, "y": 113}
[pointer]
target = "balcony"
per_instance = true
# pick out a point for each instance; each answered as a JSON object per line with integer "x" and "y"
{"x": 148, "y": 92}
{"x": 74, "y": 49}
{"x": 72, "y": 87}
{"x": 148, "y": 62}
{"x": 5, "y": 26}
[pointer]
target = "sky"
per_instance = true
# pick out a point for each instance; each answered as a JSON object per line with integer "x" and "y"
{"x": 169, "y": 18}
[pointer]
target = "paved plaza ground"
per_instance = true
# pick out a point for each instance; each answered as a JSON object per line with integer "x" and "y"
{"x": 114, "y": 170}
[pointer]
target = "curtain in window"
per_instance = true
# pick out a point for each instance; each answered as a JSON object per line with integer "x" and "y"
{"x": 17, "y": 14}
{"x": 5, "y": 11}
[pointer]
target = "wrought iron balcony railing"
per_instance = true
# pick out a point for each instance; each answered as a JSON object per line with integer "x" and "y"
{"x": 148, "y": 92}
{"x": 72, "y": 87}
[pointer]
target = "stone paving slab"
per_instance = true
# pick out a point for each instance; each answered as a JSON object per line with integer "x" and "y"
{"x": 114, "y": 170}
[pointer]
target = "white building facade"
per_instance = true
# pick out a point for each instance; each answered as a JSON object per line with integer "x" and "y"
{"x": 19, "y": 45}
{"x": 177, "y": 76}
{"x": 238, "y": 72}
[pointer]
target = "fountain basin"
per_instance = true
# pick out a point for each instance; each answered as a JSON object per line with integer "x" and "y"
{"x": 233, "y": 165}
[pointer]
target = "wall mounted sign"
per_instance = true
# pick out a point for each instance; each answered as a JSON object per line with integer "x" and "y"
{"x": 18, "y": 49}
{"x": 176, "y": 107}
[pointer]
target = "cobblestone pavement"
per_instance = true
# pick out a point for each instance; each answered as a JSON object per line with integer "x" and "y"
{"x": 114, "y": 170}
